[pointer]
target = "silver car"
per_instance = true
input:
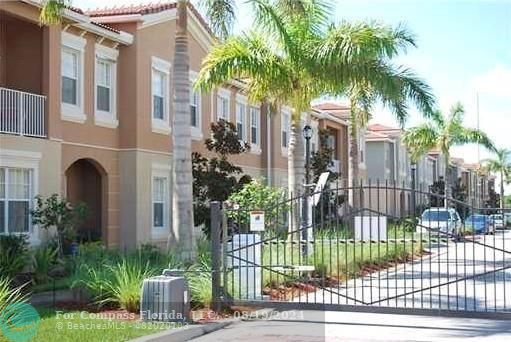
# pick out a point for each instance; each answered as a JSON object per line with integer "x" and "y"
{"x": 440, "y": 221}
{"x": 497, "y": 221}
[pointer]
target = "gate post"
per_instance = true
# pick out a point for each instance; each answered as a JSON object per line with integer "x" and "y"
{"x": 216, "y": 255}
{"x": 414, "y": 187}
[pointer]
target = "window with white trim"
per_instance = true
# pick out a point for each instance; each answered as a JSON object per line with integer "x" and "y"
{"x": 160, "y": 96}
{"x": 106, "y": 83}
{"x": 104, "y": 93}
{"x": 285, "y": 125}
{"x": 241, "y": 117}
{"x": 255, "y": 122}
{"x": 70, "y": 76}
{"x": 222, "y": 105}
{"x": 15, "y": 200}
{"x": 194, "y": 107}
{"x": 160, "y": 203}
{"x": 159, "y": 88}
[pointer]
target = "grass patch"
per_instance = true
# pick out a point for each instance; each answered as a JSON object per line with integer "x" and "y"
{"x": 75, "y": 326}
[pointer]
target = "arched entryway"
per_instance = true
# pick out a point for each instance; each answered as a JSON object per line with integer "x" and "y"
{"x": 85, "y": 183}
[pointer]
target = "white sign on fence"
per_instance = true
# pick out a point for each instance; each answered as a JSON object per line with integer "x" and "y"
{"x": 257, "y": 221}
{"x": 370, "y": 228}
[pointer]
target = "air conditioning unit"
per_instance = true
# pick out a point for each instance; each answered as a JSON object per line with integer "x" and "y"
{"x": 165, "y": 298}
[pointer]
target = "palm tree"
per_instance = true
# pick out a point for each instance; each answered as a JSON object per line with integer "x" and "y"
{"x": 293, "y": 57}
{"x": 221, "y": 16}
{"x": 442, "y": 133}
{"x": 502, "y": 166}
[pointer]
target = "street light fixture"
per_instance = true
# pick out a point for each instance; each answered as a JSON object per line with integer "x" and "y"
{"x": 307, "y": 134}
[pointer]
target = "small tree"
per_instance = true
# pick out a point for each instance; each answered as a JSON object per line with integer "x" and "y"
{"x": 215, "y": 178}
{"x": 59, "y": 213}
{"x": 437, "y": 191}
{"x": 321, "y": 159}
{"x": 258, "y": 196}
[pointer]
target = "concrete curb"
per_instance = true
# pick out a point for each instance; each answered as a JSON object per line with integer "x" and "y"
{"x": 190, "y": 332}
{"x": 186, "y": 333}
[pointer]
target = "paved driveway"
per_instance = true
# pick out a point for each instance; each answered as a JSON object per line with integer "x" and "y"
{"x": 455, "y": 276}
{"x": 348, "y": 326}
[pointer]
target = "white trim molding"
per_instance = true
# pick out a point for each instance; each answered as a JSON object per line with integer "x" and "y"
{"x": 102, "y": 118}
{"x": 75, "y": 45}
{"x": 25, "y": 160}
{"x": 196, "y": 130}
{"x": 161, "y": 126}
{"x": 161, "y": 171}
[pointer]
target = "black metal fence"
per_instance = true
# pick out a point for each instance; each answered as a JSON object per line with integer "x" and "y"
{"x": 375, "y": 246}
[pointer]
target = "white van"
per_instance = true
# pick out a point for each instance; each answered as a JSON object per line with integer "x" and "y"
{"x": 440, "y": 221}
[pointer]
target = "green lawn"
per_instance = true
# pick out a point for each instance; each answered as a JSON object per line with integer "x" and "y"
{"x": 76, "y": 326}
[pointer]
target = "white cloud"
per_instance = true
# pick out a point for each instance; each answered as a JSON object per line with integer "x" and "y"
{"x": 496, "y": 81}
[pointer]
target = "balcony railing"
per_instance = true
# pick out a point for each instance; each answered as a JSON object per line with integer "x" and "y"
{"x": 22, "y": 113}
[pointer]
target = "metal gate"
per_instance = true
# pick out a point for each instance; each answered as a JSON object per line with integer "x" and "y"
{"x": 392, "y": 249}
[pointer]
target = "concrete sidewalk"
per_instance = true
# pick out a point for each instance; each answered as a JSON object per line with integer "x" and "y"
{"x": 348, "y": 326}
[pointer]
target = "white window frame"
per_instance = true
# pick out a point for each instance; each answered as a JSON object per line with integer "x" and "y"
{"x": 76, "y": 45}
{"x": 255, "y": 147}
{"x": 16, "y": 159}
{"x": 161, "y": 171}
{"x": 224, "y": 94}
{"x": 161, "y": 126}
{"x": 104, "y": 118}
{"x": 241, "y": 118}
{"x": 285, "y": 126}
{"x": 196, "y": 130}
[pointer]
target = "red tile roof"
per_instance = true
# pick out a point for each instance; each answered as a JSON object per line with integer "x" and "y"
{"x": 378, "y": 127}
{"x": 131, "y": 9}
{"x": 143, "y": 9}
{"x": 341, "y": 111}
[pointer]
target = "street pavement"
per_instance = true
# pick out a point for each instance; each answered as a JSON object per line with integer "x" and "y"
{"x": 319, "y": 326}
{"x": 454, "y": 276}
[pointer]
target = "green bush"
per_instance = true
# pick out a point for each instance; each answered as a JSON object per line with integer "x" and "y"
{"x": 44, "y": 259}
{"x": 13, "y": 254}
{"x": 117, "y": 285}
{"x": 199, "y": 276}
{"x": 258, "y": 196}
{"x": 9, "y": 295}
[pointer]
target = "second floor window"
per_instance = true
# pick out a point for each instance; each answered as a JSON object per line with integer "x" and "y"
{"x": 222, "y": 106}
{"x": 70, "y": 76}
{"x": 159, "y": 89}
{"x": 194, "y": 108}
{"x": 254, "y": 126}
{"x": 241, "y": 113}
{"x": 104, "y": 77}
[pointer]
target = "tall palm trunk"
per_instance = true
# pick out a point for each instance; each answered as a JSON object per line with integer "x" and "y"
{"x": 502, "y": 199}
{"x": 447, "y": 182}
{"x": 182, "y": 225}
{"x": 295, "y": 164}
{"x": 353, "y": 171}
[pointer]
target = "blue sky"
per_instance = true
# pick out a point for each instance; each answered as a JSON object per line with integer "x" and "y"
{"x": 464, "y": 48}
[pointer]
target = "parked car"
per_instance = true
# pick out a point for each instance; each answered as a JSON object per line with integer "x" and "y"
{"x": 440, "y": 221}
{"x": 497, "y": 221}
{"x": 507, "y": 217}
{"x": 479, "y": 224}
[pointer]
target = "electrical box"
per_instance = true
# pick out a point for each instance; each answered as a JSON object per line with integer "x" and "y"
{"x": 165, "y": 298}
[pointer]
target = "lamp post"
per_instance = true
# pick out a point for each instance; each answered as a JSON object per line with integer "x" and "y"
{"x": 307, "y": 134}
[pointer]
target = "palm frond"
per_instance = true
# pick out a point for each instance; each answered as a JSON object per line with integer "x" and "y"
{"x": 472, "y": 136}
{"x": 221, "y": 16}
{"x": 242, "y": 57}
{"x": 352, "y": 42}
{"x": 51, "y": 12}
{"x": 420, "y": 140}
